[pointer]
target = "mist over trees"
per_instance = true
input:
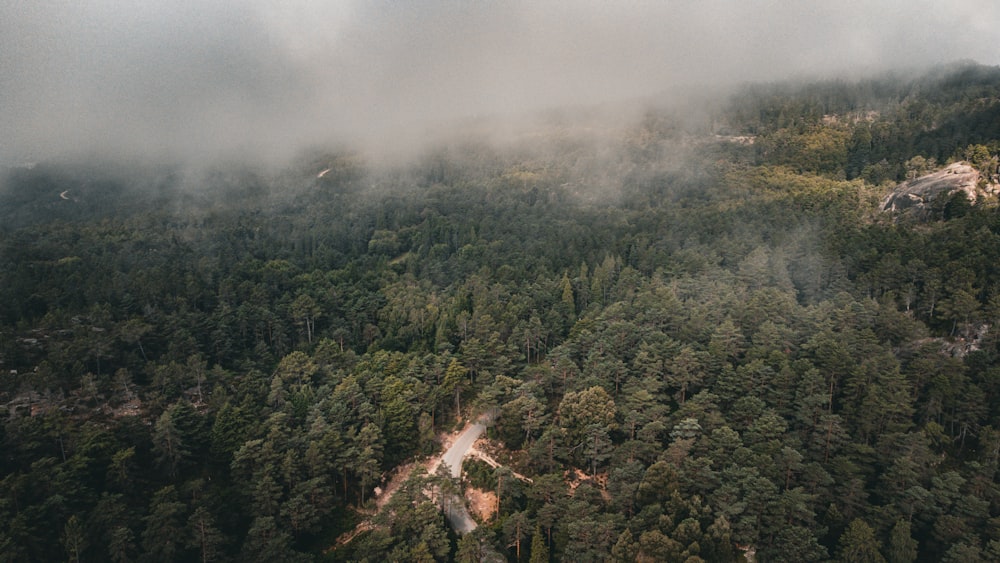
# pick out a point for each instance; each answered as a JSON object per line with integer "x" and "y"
{"x": 698, "y": 333}
{"x": 204, "y": 80}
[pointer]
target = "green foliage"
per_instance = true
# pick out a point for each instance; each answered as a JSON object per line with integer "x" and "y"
{"x": 858, "y": 544}
{"x": 692, "y": 346}
{"x": 902, "y": 547}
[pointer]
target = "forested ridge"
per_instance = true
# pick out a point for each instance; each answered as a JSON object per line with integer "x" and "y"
{"x": 700, "y": 337}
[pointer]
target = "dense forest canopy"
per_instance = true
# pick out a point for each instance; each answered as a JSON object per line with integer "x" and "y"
{"x": 698, "y": 334}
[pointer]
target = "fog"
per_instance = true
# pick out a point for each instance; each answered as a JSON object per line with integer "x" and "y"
{"x": 204, "y": 79}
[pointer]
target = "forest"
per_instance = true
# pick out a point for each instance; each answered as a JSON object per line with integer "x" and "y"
{"x": 700, "y": 339}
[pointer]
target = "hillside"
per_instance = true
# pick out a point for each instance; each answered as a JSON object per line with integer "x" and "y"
{"x": 701, "y": 333}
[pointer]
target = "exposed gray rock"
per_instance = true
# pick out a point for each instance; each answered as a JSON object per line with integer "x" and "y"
{"x": 919, "y": 193}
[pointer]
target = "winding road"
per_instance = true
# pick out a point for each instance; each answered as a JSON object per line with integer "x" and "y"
{"x": 456, "y": 512}
{"x": 460, "y": 448}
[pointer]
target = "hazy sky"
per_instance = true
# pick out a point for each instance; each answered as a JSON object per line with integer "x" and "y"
{"x": 184, "y": 78}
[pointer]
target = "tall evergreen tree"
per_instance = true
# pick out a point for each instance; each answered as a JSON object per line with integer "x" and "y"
{"x": 858, "y": 544}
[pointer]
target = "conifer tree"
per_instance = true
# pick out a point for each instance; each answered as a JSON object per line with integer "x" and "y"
{"x": 858, "y": 544}
{"x": 902, "y": 546}
{"x": 539, "y": 549}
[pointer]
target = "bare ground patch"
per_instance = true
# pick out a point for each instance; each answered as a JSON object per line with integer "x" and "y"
{"x": 482, "y": 504}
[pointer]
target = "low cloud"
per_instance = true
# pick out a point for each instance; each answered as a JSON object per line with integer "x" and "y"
{"x": 202, "y": 79}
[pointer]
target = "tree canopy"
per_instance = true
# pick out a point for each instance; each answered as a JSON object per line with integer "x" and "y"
{"x": 698, "y": 337}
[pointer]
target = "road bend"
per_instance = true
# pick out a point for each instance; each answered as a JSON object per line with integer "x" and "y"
{"x": 455, "y": 509}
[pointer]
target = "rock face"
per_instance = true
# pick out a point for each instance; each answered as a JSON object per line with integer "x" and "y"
{"x": 918, "y": 194}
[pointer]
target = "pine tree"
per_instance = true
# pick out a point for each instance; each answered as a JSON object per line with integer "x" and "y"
{"x": 859, "y": 545}
{"x": 516, "y": 530}
{"x": 204, "y": 536}
{"x": 267, "y": 543}
{"x": 122, "y": 545}
{"x": 539, "y": 549}
{"x": 74, "y": 538}
{"x": 167, "y": 443}
{"x": 454, "y": 377}
{"x": 164, "y": 527}
{"x": 625, "y": 549}
{"x": 902, "y": 546}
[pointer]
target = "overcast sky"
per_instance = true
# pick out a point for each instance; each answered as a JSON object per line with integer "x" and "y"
{"x": 183, "y": 78}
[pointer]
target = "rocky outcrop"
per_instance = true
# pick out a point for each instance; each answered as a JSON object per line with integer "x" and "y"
{"x": 919, "y": 193}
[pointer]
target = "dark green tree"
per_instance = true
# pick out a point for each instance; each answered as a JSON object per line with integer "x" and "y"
{"x": 902, "y": 546}
{"x": 858, "y": 544}
{"x": 164, "y": 534}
